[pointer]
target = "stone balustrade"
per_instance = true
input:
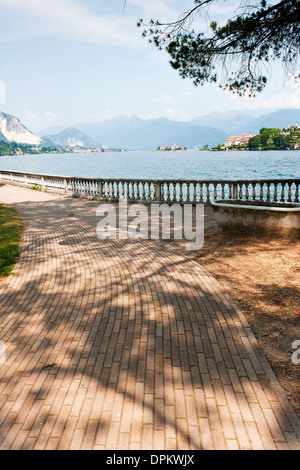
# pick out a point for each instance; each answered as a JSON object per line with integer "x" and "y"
{"x": 170, "y": 191}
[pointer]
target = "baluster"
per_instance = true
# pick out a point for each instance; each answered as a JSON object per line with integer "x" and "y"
{"x": 261, "y": 194}
{"x": 191, "y": 192}
{"x": 296, "y": 193}
{"x": 176, "y": 192}
{"x": 188, "y": 192}
{"x": 148, "y": 192}
{"x": 207, "y": 193}
{"x": 122, "y": 189}
{"x": 230, "y": 191}
{"x": 180, "y": 192}
{"x": 152, "y": 191}
{"x": 145, "y": 191}
{"x": 194, "y": 193}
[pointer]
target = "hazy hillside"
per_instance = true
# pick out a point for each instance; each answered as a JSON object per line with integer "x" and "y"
{"x": 135, "y": 133}
{"x": 71, "y": 137}
{"x": 282, "y": 118}
{"x": 237, "y": 122}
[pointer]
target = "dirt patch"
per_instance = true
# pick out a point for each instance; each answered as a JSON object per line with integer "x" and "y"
{"x": 263, "y": 277}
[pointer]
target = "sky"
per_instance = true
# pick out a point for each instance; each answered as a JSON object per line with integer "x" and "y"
{"x": 68, "y": 61}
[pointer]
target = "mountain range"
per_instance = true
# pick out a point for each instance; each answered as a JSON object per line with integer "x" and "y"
{"x": 237, "y": 122}
{"x": 133, "y": 133}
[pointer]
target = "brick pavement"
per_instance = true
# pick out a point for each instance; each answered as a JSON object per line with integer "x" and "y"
{"x": 126, "y": 345}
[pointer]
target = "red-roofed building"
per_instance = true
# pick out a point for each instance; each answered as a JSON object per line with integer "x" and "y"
{"x": 242, "y": 139}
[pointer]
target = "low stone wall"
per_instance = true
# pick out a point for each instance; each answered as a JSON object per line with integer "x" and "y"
{"x": 277, "y": 221}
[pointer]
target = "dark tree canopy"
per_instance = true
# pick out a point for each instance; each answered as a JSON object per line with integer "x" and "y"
{"x": 237, "y": 54}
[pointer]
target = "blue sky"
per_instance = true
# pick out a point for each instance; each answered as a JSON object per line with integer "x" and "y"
{"x": 68, "y": 61}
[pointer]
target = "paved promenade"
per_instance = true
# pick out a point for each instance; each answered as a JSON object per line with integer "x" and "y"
{"x": 126, "y": 345}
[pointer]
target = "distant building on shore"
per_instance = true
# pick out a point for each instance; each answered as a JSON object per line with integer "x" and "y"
{"x": 171, "y": 147}
{"x": 242, "y": 139}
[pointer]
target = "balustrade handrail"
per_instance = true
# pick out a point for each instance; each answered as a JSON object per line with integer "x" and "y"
{"x": 160, "y": 190}
{"x": 156, "y": 180}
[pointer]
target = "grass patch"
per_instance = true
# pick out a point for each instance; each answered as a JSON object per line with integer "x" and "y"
{"x": 11, "y": 227}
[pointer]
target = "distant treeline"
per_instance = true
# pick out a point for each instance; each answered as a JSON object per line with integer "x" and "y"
{"x": 269, "y": 138}
{"x": 276, "y": 139}
{"x": 13, "y": 148}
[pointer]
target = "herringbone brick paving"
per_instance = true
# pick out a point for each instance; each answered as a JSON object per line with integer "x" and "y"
{"x": 123, "y": 344}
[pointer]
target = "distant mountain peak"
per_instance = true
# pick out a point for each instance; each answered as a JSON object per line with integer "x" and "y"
{"x": 72, "y": 137}
{"x": 12, "y": 129}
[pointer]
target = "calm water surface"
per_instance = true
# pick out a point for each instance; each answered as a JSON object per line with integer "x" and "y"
{"x": 162, "y": 165}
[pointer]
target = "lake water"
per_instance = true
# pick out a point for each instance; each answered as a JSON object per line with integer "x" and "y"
{"x": 162, "y": 165}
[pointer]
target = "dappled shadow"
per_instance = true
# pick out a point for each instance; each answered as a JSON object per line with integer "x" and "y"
{"x": 120, "y": 344}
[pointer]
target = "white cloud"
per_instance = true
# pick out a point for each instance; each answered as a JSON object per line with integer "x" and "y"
{"x": 276, "y": 101}
{"x": 164, "y": 99}
{"x": 69, "y": 18}
{"x": 29, "y": 116}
